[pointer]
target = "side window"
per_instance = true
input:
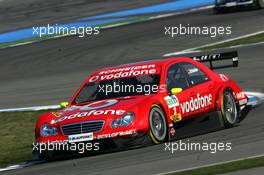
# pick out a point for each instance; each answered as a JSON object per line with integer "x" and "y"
{"x": 176, "y": 78}
{"x": 195, "y": 75}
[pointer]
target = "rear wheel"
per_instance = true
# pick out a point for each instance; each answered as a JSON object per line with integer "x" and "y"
{"x": 229, "y": 109}
{"x": 261, "y": 3}
{"x": 157, "y": 124}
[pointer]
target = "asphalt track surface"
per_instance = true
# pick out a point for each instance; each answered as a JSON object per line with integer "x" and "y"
{"x": 50, "y": 71}
{"x": 16, "y": 14}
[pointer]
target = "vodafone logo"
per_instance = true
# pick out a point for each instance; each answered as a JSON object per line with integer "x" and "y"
{"x": 196, "y": 103}
{"x": 125, "y": 72}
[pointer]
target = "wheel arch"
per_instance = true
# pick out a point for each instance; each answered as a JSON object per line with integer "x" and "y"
{"x": 219, "y": 96}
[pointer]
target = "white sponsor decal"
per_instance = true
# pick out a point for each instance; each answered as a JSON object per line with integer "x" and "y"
{"x": 196, "y": 103}
{"x": 124, "y": 72}
{"x": 148, "y": 66}
{"x": 240, "y": 95}
{"x": 242, "y": 98}
{"x": 99, "y": 104}
{"x": 207, "y": 57}
{"x": 115, "y": 134}
{"x": 86, "y": 114}
{"x": 172, "y": 101}
{"x": 193, "y": 70}
{"x": 80, "y": 137}
{"x": 223, "y": 77}
{"x": 242, "y": 102}
{"x": 123, "y": 75}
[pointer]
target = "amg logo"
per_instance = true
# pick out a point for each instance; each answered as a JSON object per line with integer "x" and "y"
{"x": 196, "y": 103}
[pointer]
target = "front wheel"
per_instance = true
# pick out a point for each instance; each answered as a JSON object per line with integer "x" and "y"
{"x": 157, "y": 125}
{"x": 219, "y": 10}
{"x": 229, "y": 109}
{"x": 46, "y": 155}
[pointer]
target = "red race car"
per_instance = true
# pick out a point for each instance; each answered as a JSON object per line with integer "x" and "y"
{"x": 144, "y": 101}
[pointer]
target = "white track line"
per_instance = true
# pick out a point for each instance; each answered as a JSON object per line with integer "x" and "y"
{"x": 212, "y": 164}
{"x": 28, "y": 109}
{"x": 20, "y": 165}
{"x": 11, "y": 167}
{"x": 195, "y": 49}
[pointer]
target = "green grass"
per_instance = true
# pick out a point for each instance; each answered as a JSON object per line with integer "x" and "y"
{"x": 247, "y": 40}
{"x": 225, "y": 168}
{"x": 17, "y": 136}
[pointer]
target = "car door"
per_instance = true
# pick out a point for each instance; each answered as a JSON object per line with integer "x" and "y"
{"x": 200, "y": 91}
{"x": 176, "y": 78}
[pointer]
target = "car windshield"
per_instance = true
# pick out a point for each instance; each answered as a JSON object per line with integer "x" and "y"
{"x": 138, "y": 85}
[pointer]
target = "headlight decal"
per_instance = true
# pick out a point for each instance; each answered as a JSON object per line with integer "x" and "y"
{"x": 47, "y": 130}
{"x": 124, "y": 121}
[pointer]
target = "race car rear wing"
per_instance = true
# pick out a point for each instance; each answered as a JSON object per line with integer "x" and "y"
{"x": 212, "y": 58}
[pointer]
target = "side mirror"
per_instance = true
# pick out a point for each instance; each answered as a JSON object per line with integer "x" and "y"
{"x": 64, "y": 104}
{"x": 175, "y": 91}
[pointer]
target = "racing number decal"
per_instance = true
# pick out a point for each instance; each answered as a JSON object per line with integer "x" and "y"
{"x": 94, "y": 105}
{"x": 172, "y": 102}
{"x": 99, "y": 105}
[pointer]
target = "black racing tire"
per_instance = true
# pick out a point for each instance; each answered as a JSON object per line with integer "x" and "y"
{"x": 229, "y": 109}
{"x": 219, "y": 10}
{"x": 260, "y": 3}
{"x": 46, "y": 155}
{"x": 158, "y": 129}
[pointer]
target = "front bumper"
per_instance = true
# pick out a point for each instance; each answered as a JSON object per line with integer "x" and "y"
{"x": 234, "y": 4}
{"x": 128, "y": 132}
{"x": 100, "y": 143}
